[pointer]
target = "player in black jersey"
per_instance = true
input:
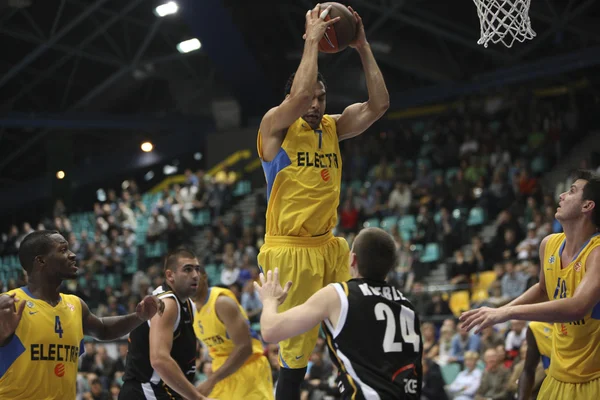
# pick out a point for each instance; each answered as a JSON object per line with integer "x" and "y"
{"x": 161, "y": 361}
{"x": 373, "y": 333}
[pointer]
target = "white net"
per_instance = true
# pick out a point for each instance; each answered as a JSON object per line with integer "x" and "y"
{"x": 504, "y": 21}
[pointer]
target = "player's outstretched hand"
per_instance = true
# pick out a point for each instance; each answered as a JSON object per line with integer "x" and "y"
{"x": 483, "y": 317}
{"x": 316, "y": 24}
{"x": 148, "y": 307}
{"x": 11, "y": 310}
{"x": 270, "y": 288}
{"x": 361, "y": 37}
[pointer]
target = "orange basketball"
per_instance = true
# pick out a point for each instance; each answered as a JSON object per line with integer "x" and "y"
{"x": 339, "y": 35}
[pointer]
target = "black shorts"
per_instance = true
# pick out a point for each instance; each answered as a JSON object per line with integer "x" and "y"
{"x": 134, "y": 390}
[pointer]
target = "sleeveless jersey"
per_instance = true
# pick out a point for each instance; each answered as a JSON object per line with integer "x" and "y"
{"x": 576, "y": 345}
{"x": 41, "y": 360}
{"x": 211, "y": 331}
{"x": 183, "y": 351}
{"x": 304, "y": 180}
{"x": 376, "y": 344}
{"x": 542, "y": 331}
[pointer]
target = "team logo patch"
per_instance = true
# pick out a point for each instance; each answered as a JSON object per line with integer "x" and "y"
{"x": 551, "y": 260}
{"x": 59, "y": 370}
{"x": 30, "y": 304}
{"x": 71, "y": 307}
{"x": 325, "y": 175}
{"x": 577, "y": 266}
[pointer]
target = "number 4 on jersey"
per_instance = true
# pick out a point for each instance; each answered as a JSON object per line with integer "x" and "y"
{"x": 58, "y": 327}
{"x": 407, "y": 327}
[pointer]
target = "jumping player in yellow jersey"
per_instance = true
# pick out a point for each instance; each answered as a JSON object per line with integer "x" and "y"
{"x": 240, "y": 369}
{"x": 539, "y": 347}
{"x": 41, "y": 329}
{"x": 299, "y": 147}
{"x": 570, "y": 280}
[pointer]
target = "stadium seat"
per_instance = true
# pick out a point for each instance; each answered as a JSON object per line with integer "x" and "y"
{"x": 479, "y": 295}
{"x": 476, "y": 217}
{"x": 407, "y": 222}
{"x": 389, "y": 222}
{"x": 459, "y": 302}
{"x": 431, "y": 253}
{"x": 371, "y": 223}
{"x": 450, "y": 372}
{"x": 484, "y": 280}
{"x": 201, "y": 218}
{"x": 214, "y": 274}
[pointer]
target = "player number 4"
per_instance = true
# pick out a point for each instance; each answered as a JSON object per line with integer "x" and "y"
{"x": 58, "y": 327}
{"x": 407, "y": 328}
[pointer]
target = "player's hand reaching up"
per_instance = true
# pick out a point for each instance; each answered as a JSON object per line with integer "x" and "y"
{"x": 148, "y": 307}
{"x": 316, "y": 24}
{"x": 361, "y": 38}
{"x": 11, "y": 310}
{"x": 270, "y": 288}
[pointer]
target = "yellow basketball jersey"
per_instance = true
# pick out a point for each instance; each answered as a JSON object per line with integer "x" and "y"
{"x": 304, "y": 180}
{"x": 41, "y": 360}
{"x": 211, "y": 331}
{"x": 576, "y": 345}
{"x": 542, "y": 331}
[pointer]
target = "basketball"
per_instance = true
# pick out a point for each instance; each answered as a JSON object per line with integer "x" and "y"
{"x": 339, "y": 35}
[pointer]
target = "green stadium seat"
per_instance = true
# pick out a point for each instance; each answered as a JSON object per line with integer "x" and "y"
{"x": 476, "y": 217}
{"x": 450, "y": 372}
{"x": 371, "y": 223}
{"x": 407, "y": 223}
{"x": 431, "y": 253}
{"x": 389, "y": 222}
{"x": 214, "y": 274}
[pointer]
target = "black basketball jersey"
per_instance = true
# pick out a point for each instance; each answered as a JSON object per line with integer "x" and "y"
{"x": 138, "y": 365}
{"x": 376, "y": 344}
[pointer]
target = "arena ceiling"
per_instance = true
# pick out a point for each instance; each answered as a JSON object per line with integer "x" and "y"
{"x": 108, "y": 72}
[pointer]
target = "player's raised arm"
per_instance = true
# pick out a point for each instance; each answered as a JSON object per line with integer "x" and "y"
{"x": 236, "y": 325}
{"x": 356, "y": 118}
{"x": 161, "y": 343}
{"x": 532, "y": 359}
{"x": 11, "y": 310}
{"x": 277, "y": 327}
{"x": 298, "y": 101}
{"x": 110, "y": 328}
{"x": 586, "y": 296}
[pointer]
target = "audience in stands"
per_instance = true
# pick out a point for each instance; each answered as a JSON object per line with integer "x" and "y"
{"x": 461, "y": 195}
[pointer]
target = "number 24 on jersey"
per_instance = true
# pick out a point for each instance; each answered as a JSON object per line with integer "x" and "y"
{"x": 407, "y": 328}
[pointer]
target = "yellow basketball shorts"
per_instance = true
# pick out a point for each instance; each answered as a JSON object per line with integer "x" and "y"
{"x": 253, "y": 381}
{"x": 311, "y": 263}
{"x": 553, "y": 389}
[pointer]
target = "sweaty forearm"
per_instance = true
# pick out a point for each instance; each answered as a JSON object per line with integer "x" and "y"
{"x": 379, "y": 97}
{"x": 116, "y": 327}
{"x": 171, "y": 374}
{"x": 306, "y": 74}
{"x": 534, "y": 295}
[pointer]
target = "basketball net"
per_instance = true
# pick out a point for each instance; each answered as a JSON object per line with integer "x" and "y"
{"x": 504, "y": 21}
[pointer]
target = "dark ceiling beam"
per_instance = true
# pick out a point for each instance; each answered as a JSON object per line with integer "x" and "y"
{"x": 560, "y": 22}
{"x": 212, "y": 24}
{"x": 35, "y": 54}
{"x": 436, "y": 30}
{"x": 95, "y": 92}
{"x": 98, "y": 57}
{"x": 573, "y": 28}
{"x": 52, "y": 68}
{"x": 100, "y": 121}
{"x": 550, "y": 66}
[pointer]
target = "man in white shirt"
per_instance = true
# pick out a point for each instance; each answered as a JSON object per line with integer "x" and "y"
{"x": 467, "y": 381}
{"x": 516, "y": 336}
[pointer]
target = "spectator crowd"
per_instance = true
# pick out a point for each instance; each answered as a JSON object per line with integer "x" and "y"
{"x": 467, "y": 183}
